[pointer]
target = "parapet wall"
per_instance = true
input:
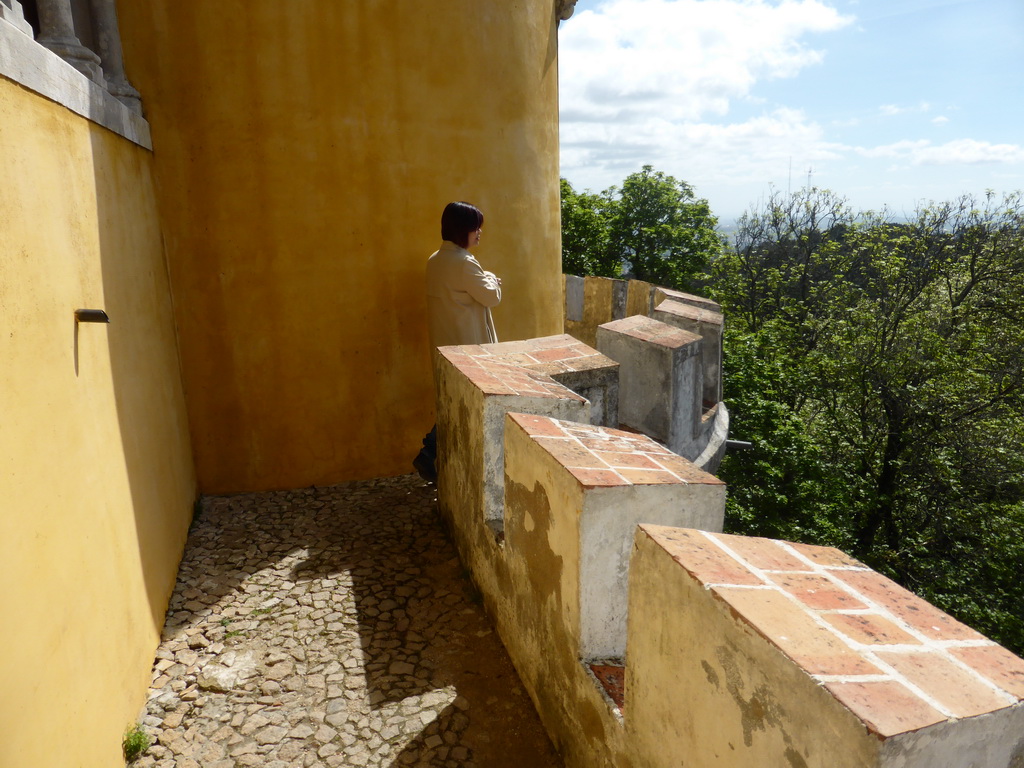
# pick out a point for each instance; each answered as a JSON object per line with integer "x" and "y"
{"x": 669, "y": 346}
{"x": 648, "y": 638}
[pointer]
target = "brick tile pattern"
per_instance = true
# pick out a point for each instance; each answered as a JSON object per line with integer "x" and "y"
{"x": 897, "y": 662}
{"x": 529, "y": 367}
{"x": 601, "y": 456}
{"x": 690, "y": 299}
{"x": 691, "y": 313}
{"x": 612, "y": 678}
{"x": 652, "y": 331}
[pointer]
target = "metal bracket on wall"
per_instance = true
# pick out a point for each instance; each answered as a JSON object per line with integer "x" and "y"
{"x": 91, "y": 316}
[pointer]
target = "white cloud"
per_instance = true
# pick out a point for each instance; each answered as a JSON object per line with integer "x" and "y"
{"x": 761, "y": 150}
{"x": 681, "y": 59}
{"x": 956, "y": 152}
{"x": 675, "y": 83}
{"x": 889, "y": 110}
{"x": 649, "y": 81}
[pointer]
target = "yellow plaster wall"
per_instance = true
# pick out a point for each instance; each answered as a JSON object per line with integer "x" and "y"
{"x": 304, "y": 152}
{"x": 538, "y": 615}
{"x": 703, "y": 688}
{"x": 597, "y": 310}
{"x": 95, "y": 466}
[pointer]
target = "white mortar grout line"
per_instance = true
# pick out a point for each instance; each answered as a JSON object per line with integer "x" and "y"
{"x": 853, "y": 645}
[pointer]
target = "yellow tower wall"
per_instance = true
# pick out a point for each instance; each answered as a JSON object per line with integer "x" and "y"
{"x": 304, "y": 152}
{"x": 95, "y": 464}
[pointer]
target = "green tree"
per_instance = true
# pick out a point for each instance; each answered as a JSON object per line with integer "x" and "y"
{"x": 889, "y": 356}
{"x": 660, "y": 229}
{"x": 653, "y": 226}
{"x": 585, "y": 234}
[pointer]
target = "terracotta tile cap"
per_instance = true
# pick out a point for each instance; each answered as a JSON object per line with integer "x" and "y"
{"x": 620, "y": 459}
{"x": 597, "y": 478}
{"x": 995, "y": 664}
{"x": 696, "y": 553}
{"x": 793, "y": 630}
{"x": 689, "y": 298}
{"x": 554, "y": 369}
{"x": 488, "y": 383}
{"x": 508, "y": 347}
{"x": 596, "y": 435}
{"x": 473, "y": 350}
{"x": 519, "y": 359}
{"x": 456, "y": 355}
{"x": 590, "y": 362}
{"x": 816, "y": 591}
{"x": 555, "y": 353}
{"x": 961, "y": 693}
{"x": 682, "y": 468}
{"x": 650, "y": 476}
{"x": 690, "y": 312}
{"x": 637, "y": 459}
{"x": 906, "y": 606}
{"x": 569, "y": 453}
{"x": 766, "y": 554}
{"x": 652, "y": 331}
{"x": 536, "y": 425}
{"x": 605, "y": 442}
{"x": 559, "y": 340}
{"x": 887, "y": 707}
{"x": 495, "y": 377}
{"x": 870, "y": 629}
{"x": 829, "y": 557}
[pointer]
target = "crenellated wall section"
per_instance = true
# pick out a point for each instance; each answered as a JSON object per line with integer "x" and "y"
{"x": 669, "y": 346}
{"x": 644, "y": 635}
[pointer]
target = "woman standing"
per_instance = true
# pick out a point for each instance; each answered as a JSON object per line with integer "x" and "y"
{"x": 460, "y": 294}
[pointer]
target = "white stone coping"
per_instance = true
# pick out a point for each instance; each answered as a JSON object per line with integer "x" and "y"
{"x": 38, "y": 69}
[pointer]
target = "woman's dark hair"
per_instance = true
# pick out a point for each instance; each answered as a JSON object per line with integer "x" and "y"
{"x": 458, "y": 220}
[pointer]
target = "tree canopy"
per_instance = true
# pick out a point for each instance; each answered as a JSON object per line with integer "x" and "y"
{"x": 653, "y": 228}
{"x": 878, "y": 366}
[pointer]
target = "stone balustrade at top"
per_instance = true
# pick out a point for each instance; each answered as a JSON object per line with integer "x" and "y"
{"x": 62, "y": 26}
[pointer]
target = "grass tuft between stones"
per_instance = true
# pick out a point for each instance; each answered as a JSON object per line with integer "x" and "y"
{"x": 135, "y": 742}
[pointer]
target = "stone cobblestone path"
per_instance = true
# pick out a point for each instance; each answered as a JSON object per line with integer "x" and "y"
{"x": 328, "y": 627}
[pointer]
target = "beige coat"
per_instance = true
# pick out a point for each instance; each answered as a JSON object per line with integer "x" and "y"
{"x": 460, "y": 294}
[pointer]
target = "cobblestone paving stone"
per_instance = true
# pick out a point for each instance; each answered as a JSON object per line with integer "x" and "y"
{"x": 328, "y": 627}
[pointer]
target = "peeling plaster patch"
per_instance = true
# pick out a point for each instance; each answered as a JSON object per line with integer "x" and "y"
{"x": 758, "y": 711}
{"x": 545, "y": 572}
{"x": 795, "y": 759}
{"x": 711, "y": 675}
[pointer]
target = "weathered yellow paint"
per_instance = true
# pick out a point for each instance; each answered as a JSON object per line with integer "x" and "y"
{"x": 713, "y": 691}
{"x": 304, "y": 152}
{"x": 638, "y": 298}
{"x": 96, "y": 472}
{"x": 597, "y": 309}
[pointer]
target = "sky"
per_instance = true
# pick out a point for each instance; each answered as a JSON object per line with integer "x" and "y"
{"x": 889, "y": 103}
